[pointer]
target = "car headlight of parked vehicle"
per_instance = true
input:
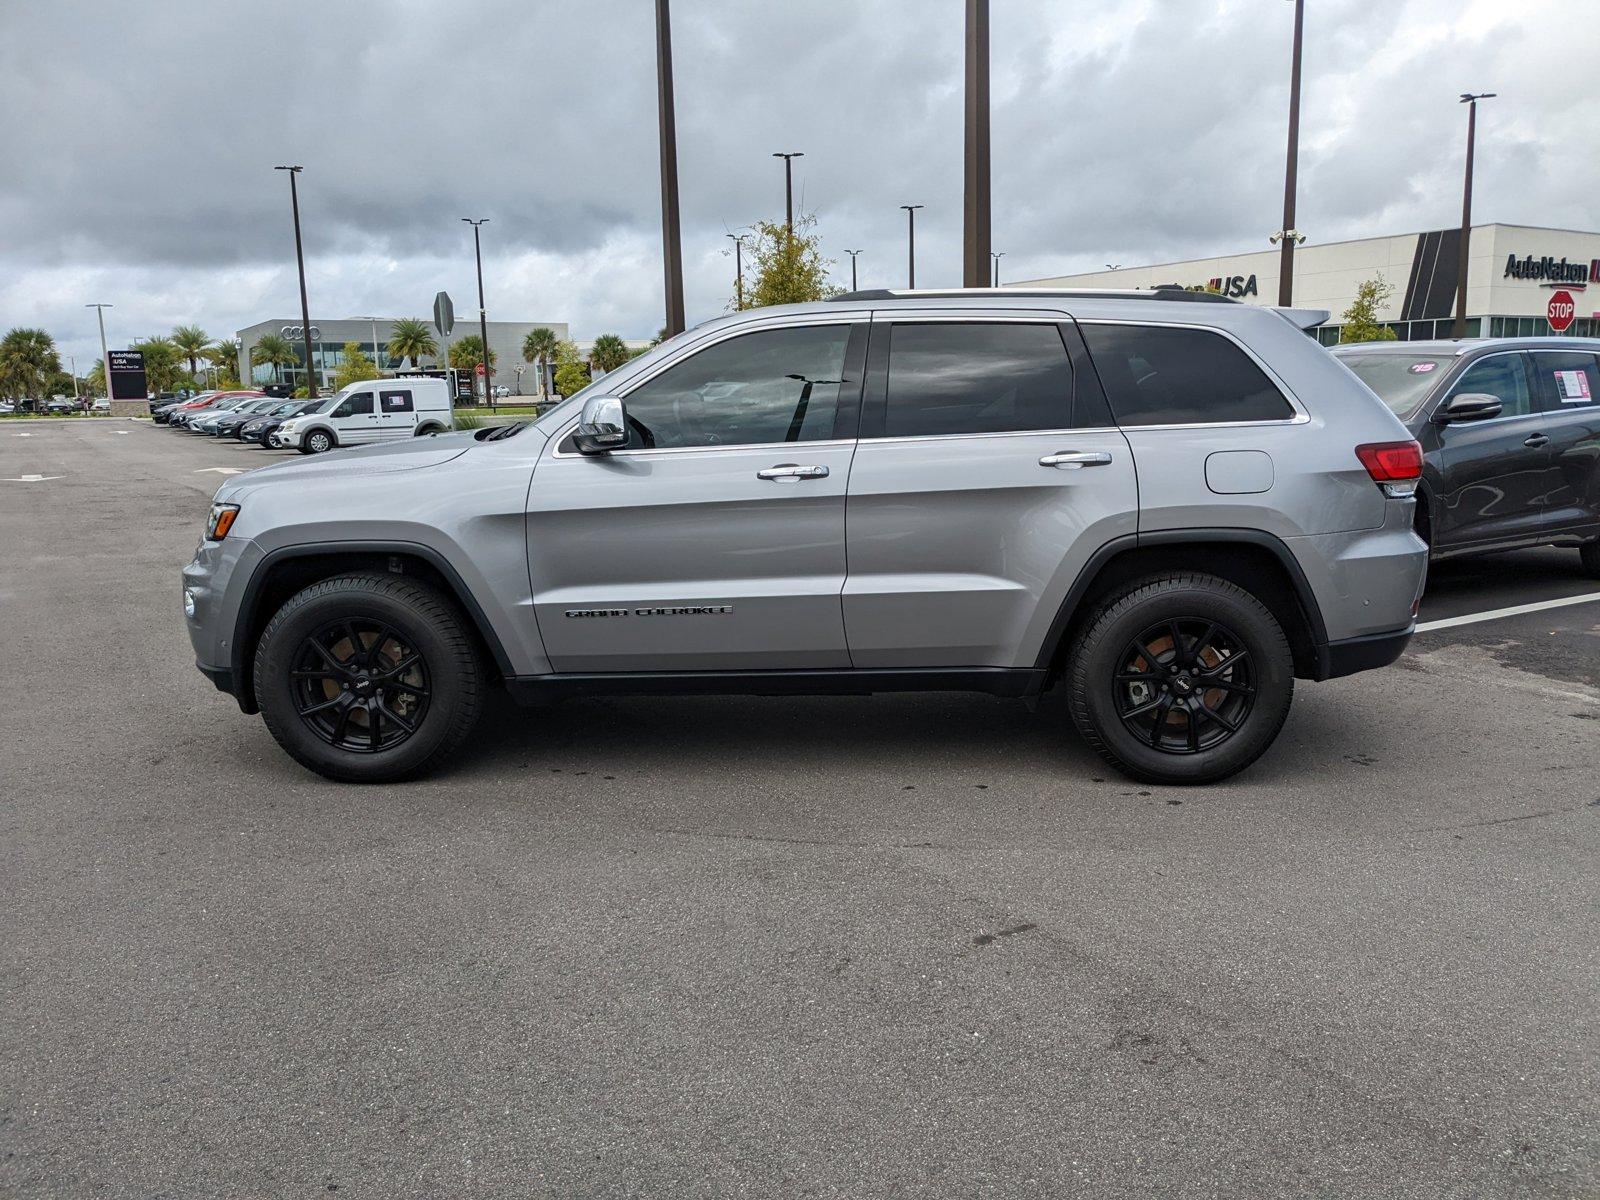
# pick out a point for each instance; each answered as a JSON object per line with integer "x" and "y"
{"x": 222, "y": 518}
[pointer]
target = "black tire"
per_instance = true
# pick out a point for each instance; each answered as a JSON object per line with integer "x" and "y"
{"x": 1222, "y": 711}
{"x": 425, "y": 430}
{"x": 318, "y": 441}
{"x": 1589, "y": 555}
{"x": 442, "y": 695}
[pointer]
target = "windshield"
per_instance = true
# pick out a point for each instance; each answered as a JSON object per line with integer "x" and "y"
{"x": 1401, "y": 380}
{"x": 320, "y": 406}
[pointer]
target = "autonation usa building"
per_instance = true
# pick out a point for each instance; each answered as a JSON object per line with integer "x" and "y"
{"x": 1513, "y": 272}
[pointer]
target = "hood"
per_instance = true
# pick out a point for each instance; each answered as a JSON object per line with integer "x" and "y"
{"x": 385, "y": 459}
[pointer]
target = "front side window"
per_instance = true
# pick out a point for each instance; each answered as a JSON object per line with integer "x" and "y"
{"x": 357, "y": 405}
{"x": 1571, "y": 377}
{"x": 1164, "y": 375}
{"x": 1502, "y": 377}
{"x": 974, "y": 378}
{"x": 775, "y": 385}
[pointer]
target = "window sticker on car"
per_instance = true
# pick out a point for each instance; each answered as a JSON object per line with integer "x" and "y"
{"x": 395, "y": 401}
{"x": 1573, "y": 387}
{"x": 1421, "y": 368}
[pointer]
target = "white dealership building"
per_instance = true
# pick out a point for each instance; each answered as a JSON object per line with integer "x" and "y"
{"x": 1513, "y": 271}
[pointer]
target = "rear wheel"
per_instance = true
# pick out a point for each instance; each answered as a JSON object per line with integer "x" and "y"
{"x": 368, "y": 678}
{"x": 1589, "y": 555}
{"x": 1181, "y": 679}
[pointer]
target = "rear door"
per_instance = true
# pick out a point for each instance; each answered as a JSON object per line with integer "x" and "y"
{"x": 1568, "y": 384}
{"x": 987, "y": 473}
{"x": 397, "y": 414}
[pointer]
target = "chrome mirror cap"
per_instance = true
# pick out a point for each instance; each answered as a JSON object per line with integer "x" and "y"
{"x": 603, "y": 426}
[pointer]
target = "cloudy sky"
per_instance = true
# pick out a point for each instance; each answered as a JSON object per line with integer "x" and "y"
{"x": 139, "y": 138}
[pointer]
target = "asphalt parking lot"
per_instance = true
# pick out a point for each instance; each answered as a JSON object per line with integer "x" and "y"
{"x": 905, "y": 945}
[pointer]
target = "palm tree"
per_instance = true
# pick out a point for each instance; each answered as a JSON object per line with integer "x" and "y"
{"x": 609, "y": 352}
{"x": 162, "y": 363}
{"x": 540, "y": 347}
{"x": 28, "y": 360}
{"x": 192, "y": 343}
{"x": 411, "y": 339}
{"x": 273, "y": 350}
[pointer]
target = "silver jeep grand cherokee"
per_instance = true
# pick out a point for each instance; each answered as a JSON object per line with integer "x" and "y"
{"x": 1169, "y": 504}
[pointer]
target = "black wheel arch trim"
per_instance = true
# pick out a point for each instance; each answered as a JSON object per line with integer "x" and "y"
{"x": 238, "y": 674}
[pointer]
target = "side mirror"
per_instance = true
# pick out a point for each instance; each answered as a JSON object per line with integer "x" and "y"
{"x": 603, "y": 426}
{"x": 1468, "y": 406}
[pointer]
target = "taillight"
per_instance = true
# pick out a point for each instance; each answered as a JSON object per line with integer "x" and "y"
{"x": 1394, "y": 466}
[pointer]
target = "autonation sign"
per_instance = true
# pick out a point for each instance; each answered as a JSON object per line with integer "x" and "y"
{"x": 1551, "y": 270}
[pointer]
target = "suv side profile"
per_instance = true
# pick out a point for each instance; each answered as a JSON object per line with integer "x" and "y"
{"x": 1169, "y": 504}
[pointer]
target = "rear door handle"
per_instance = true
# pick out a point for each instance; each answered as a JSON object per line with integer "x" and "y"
{"x": 792, "y": 473}
{"x": 1071, "y": 460}
{"x": 1536, "y": 440}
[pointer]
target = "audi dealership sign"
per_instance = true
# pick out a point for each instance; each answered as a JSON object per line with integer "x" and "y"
{"x": 294, "y": 334}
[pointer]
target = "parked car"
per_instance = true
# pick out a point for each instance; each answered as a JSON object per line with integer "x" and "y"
{"x": 377, "y": 410}
{"x": 1508, "y": 428}
{"x": 229, "y": 424}
{"x": 259, "y": 428}
{"x": 7, "y": 407}
{"x": 100, "y": 404}
{"x": 60, "y": 406}
{"x": 1171, "y": 505}
{"x": 161, "y": 412}
{"x": 212, "y": 401}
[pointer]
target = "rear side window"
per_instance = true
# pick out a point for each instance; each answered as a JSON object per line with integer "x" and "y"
{"x": 1571, "y": 378}
{"x": 395, "y": 402}
{"x": 955, "y": 378}
{"x": 1160, "y": 375}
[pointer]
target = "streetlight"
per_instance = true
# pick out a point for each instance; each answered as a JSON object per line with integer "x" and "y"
{"x": 975, "y": 214}
{"x": 483, "y": 318}
{"x": 375, "y": 350}
{"x": 852, "y": 254}
{"x": 1288, "y": 235}
{"x": 300, "y": 262}
{"x": 738, "y": 268}
{"x": 997, "y": 255}
{"x": 788, "y": 186}
{"x": 671, "y": 241}
{"x": 911, "y": 243}
{"x": 105, "y": 355}
{"x": 1470, "y": 99}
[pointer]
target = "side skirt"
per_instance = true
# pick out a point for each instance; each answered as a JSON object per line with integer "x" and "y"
{"x": 995, "y": 681}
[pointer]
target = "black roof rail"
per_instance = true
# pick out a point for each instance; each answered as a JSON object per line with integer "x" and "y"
{"x": 1161, "y": 291}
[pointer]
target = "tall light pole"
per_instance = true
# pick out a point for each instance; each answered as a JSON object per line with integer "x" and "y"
{"x": 376, "y": 352}
{"x": 671, "y": 242}
{"x": 1288, "y": 235}
{"x": 975, "y": 215}
{"x": 997, "y": 255}
{"x": 1470, "y": 99}
{"x": 483, "y": 315}
{"x": 300, "y": 262}
{"x": 105, "y": 355}
{"x": 852, "y": 254}
{"x": 738, "y": 268}
{"x": 788, "y": 186}
{"x": 911, "y": 243}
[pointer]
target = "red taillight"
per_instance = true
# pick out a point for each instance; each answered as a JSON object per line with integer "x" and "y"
{"x": 1391, "y": 462}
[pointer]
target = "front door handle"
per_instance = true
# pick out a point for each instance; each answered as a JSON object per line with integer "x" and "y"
{"x": 1071, "y": 460}
{"x": 792, "y": 473}
{"x": 1536, "y": 440}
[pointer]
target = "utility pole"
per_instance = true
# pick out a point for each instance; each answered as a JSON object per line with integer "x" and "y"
{"x": 975, "y": 216}
{"x": 483, "y": 315}
{"x": 911, "y": 243}
{"x": 788, "y": 186}
{"x": 1290, "y": 236}
{"x": 105, "y": 355}
{"x": 671, "y": 247}
{"x": 738, "y": 268}
{"x": 852, "y": 254}
{"x": 997, "y": 255}
{"x": 1470, "y": 99}
{"x": 300, "y": 262}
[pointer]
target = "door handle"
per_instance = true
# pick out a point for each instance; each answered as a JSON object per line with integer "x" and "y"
{"x": 1071, "y": 460}
{"x": 792, "y": 473}
{"x": 1536, "y": 440}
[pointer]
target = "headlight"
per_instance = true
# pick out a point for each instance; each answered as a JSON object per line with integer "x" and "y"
{"x": 222, "y": 519}
{"x": 188, "y": 602}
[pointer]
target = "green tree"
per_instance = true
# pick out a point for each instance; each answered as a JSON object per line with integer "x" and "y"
{"x": 97, "y": 380}
{"x": 224, "y": 355}
{"x": 467, "y": 353}
{"x": 571, "y": 377}
{"x": 163, "y": 365}
{"x": 355, "y": 367}
{"x": 412, "y": 339}
{"x": 785, "y": 267}
{"x": 608, "y": 352}
{"x": 28, "y": 361}
{"x": 540, "y": 347}
{"x": 275, "y": 351}
{"x": 1361, "y": 322}
{"x": 193, "y": 343}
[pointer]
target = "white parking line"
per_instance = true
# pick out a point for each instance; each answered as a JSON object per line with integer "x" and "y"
{"x": 1516, "y": 610}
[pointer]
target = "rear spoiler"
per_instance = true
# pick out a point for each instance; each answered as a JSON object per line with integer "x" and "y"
{"x": 1303, "y": 318}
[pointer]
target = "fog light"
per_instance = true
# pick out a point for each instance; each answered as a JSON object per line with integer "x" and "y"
{"x": 188, "y": 602}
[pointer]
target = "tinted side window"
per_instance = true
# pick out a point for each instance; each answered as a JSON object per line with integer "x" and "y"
{"x": 948, "y": 378}
{"x": 1502, "y": 376}
{"x": 1571, "y": 378}
{"x": 355, "y": 406}
{"x": 395, "y": 402}
{"x": 777, "y": 385}
{"x": 1157, "y": 375}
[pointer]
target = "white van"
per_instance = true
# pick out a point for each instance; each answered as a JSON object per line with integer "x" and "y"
{"x": 377, "y": 410}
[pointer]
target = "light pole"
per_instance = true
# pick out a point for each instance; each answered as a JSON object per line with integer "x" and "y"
{"x": 911, "y": 243}
{"x": 1470, "y": 99}
{"x": 376, "y": 351}
{"x": 852, "y": 254}
{"x": 300, "y": 262}
{"x": 105, "y": 355}
{"x": 1288, "y": 235}
{"x": 738, "y": 269}
{"x": 788, "y": 186}
{"x": 975, "y": 216}
{"x": 671, "y": 242}
{"x": 483, "y": 316}
{"x": 997, "y": 255}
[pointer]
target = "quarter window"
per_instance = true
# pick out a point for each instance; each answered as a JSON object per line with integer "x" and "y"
{"x": 1502, "y": 377}
{"x": 973, "y": 378}
{"x": 395, "y": 402}
{"x": 775, "y": 385}
{"x": 1161, "y": 375}
{"x": 1570, "y": 378}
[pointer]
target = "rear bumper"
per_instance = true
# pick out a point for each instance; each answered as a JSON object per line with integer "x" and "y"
{"x": 1350, "y": 655}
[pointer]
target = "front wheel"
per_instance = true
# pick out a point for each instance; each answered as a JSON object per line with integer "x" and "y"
{"x": 368, "y": 678}
{"x": 318, "y": 441}
{"x": 1181, "y": 679}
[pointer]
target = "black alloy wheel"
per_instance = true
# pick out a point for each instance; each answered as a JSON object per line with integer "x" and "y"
{"x": 1185, "y": 685}
{"x": 360, "y": 686}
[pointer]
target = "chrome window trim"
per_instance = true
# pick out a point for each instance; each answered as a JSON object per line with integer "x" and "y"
{"x": 788, "y": 447}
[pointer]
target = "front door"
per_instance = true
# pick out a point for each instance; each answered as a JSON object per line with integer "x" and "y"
{"x": 987, "y": 472}
{"x": 356, "y": 420}
{"x": 716, "y": 540}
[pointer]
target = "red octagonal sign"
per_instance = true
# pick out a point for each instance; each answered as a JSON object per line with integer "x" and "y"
{"x": 1561, "y": 311}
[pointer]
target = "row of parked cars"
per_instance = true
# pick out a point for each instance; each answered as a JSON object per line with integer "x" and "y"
{"x": 372, "y": 411}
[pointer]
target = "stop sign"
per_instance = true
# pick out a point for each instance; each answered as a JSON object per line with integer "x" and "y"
{"x": 1569, "y": 318}
{"x": 1561, "y": 311}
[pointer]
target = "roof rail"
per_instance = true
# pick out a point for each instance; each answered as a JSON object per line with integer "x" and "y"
{"x": 1162, "y": 291}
